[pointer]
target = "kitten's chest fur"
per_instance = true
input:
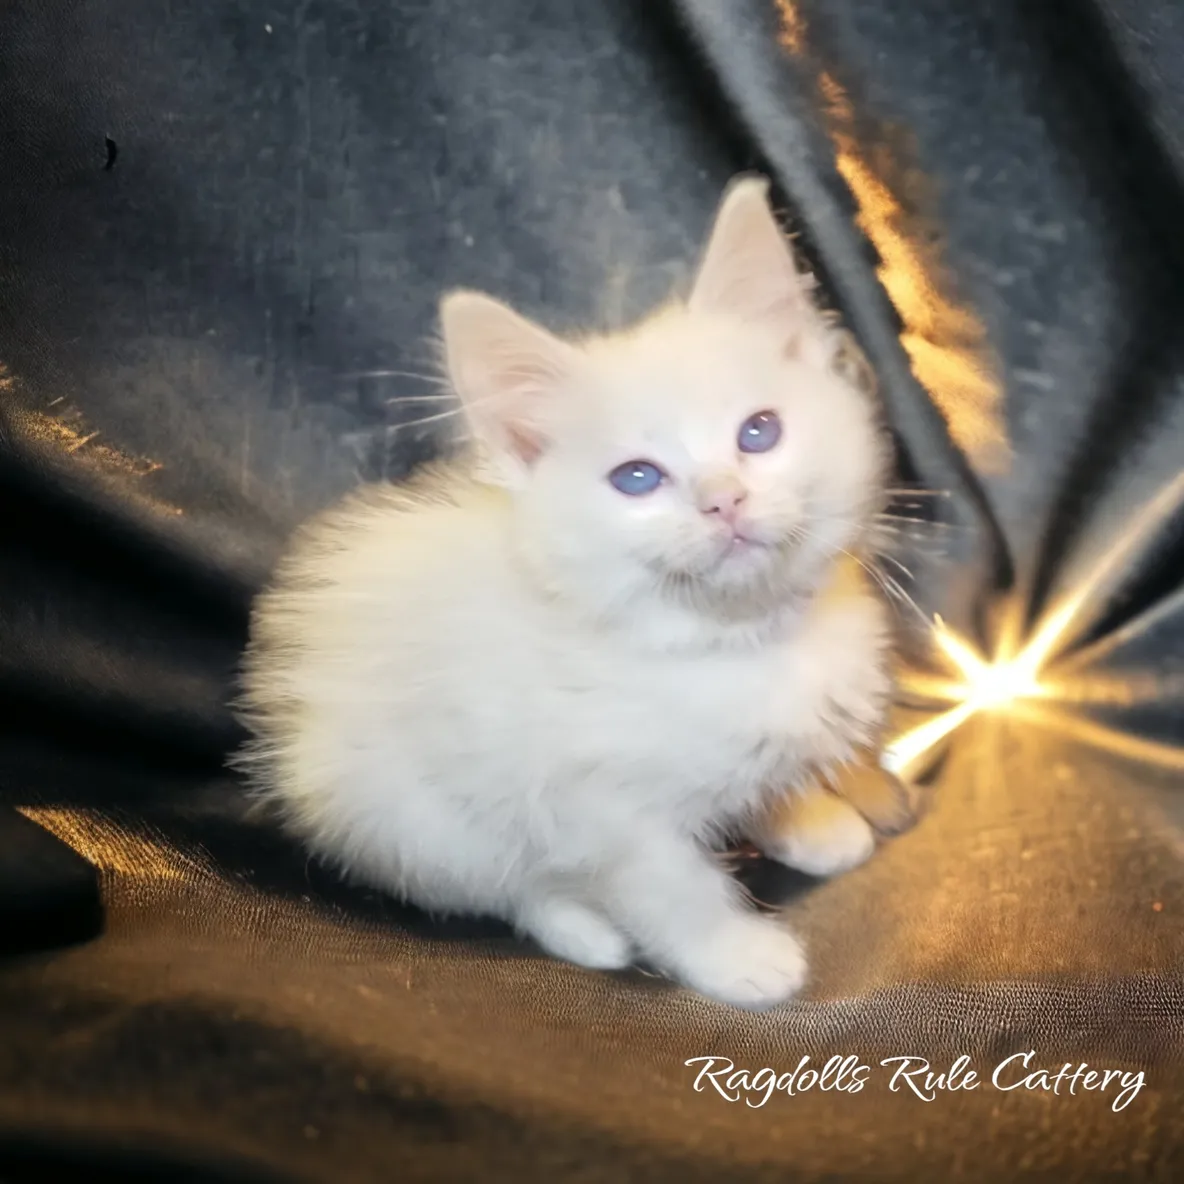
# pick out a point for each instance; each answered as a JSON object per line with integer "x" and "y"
{"x": 722, "y": 728}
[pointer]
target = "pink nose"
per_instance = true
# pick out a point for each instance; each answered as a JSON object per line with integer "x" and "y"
{"x": 723, "y": 498}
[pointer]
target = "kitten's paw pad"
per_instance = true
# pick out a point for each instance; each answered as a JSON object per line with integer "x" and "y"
{"x": 577, "y": 934}
{"x": 822, "y": 839}
{"x": 752, "y": 964}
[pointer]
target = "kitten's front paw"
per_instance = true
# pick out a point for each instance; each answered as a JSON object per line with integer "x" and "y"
{"x": 576, "y": 934}
{"x": 818, "y": 833}
{"x": 750, "y": 963}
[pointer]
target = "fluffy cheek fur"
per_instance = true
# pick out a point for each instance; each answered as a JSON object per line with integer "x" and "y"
{"x": 840, "y": 472}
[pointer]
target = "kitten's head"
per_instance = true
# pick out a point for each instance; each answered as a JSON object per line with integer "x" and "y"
{"x": 715, "y": 452}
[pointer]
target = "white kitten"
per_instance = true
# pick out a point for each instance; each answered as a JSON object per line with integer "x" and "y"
{"x": 544, "y": 686}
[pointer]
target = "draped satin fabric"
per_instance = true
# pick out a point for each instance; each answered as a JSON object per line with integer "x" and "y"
{"x": 223, "y": 230}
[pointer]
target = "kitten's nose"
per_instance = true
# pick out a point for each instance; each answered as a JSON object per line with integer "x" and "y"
{"x": 722, "y": 496}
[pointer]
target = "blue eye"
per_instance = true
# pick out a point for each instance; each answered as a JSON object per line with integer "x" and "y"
{"x": 760, "y": 432}
{"x": 636, "y": 477}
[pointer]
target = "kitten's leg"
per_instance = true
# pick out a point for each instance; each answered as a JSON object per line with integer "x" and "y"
{"x": 815, "y": 831}
{"x": 691, "y": 919}
{"x": 572, "y": 931}
{"x": 889, "y": 804}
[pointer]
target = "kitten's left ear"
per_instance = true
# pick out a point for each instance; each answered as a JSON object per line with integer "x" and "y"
{"x": 505, "y": 368}
{"x": 748, "y": 269}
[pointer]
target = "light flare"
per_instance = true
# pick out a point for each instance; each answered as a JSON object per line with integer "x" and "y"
{"x": 987, "y": 685}
{"x": 980, "y": 685}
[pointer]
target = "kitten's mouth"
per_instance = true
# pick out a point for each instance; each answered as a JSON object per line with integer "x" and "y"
{"x": 738, "y": 545}
{"x": 747, "y": 536}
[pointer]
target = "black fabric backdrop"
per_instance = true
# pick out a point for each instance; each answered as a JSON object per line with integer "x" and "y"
{"x": 223, "y": 228}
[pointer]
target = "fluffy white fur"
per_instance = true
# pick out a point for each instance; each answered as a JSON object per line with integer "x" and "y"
{"x": 508, "y": 688}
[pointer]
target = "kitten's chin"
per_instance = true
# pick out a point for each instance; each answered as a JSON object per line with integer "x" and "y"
{"x": 744, "y": 577}
{"x": 742, "y": 559}
{"x": 751, "y": 572}
{"x": 770, "y": 574}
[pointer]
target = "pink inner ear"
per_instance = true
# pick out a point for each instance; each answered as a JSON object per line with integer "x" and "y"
{"x": 505, "y": 368}
{"x": 527, "y": 446}
{"x": 748, "y": 269}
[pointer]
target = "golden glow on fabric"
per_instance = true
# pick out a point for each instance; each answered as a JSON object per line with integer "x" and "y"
{"x": 946, "y": 343}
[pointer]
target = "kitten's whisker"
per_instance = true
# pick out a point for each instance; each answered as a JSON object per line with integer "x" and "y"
{"x": 384, "y": 373}
{"x": 893, "y": 560}
{"x": 907, "y": 520}
{"x": 426, "y": 419}
{"x": 421, "y": 399}
{"x": 459, "y": 409}
{"x": 891, "y": 587}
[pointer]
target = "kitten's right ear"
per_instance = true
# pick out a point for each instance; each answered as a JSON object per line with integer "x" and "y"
{"x": 504, "y": 368}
